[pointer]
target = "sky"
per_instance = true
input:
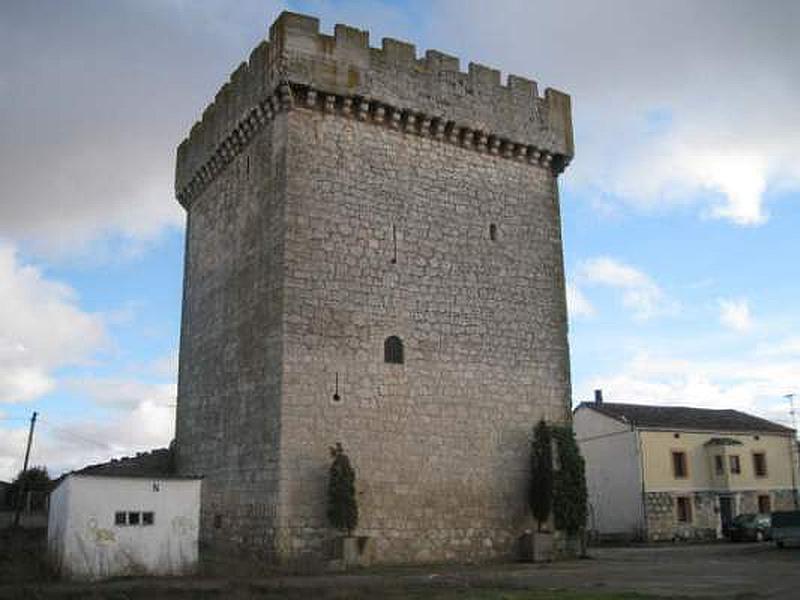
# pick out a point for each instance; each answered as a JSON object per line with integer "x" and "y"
{"x": 680, "y": 211}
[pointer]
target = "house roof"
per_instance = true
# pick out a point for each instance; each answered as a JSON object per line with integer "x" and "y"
{"x": 156, "y": 463}
{"x": 684, "y": 417}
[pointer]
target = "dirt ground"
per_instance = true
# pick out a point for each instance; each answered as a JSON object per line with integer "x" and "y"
{"x": 721, "y": 570}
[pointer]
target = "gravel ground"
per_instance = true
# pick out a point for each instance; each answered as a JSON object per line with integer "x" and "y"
{"x": 688, "y": 571}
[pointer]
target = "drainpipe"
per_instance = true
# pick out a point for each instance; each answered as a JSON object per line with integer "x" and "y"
{"x": 641, "y": 478}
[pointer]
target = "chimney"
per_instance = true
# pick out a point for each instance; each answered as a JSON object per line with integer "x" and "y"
{"x": 598, "y": 396}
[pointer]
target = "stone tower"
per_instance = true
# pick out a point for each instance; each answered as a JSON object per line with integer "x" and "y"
{"x": 373, "y": 257}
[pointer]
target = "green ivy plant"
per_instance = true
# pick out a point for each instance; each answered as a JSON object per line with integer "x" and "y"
{"x": 569, "y": 482}
{"x": 342, "y": 506}
{"x": 541, "y": 491}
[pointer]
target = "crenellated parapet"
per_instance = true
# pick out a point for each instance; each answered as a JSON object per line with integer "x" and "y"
{"x": 299, "y": 67}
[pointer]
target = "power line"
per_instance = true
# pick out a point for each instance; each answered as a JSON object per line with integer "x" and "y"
{"x": 103, "y": 445}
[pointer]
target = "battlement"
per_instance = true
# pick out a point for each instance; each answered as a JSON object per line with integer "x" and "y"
{"x": 388, "y": 85}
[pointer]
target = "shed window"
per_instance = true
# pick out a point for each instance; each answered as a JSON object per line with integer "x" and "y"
{"x": 393, "y": 350}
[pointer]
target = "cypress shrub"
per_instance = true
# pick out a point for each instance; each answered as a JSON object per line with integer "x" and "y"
{"x": 569, "y": 483}
{"x": 541, "y": 492}
{"x": 342, "y": 506}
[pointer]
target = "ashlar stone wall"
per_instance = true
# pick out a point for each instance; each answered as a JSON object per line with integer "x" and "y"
{"x": 336, "y": 195}
{"x": 389, "y": 234}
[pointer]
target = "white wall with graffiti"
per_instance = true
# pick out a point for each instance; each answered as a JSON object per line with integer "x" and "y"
{"x": 102, "y": 526}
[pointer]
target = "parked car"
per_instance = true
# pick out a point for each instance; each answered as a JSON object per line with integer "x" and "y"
{"x": 750, "y": 527}
{"x": 786, "y": 527}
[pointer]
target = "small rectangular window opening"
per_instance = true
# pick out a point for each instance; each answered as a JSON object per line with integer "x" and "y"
{"x": 217, "y": 521}
{"x": 764, "y": 504}
{"x": 719, "y": 465}
{"x": 134, "y": 518}
{"x": 735, "y": 465}
{"x": 679, "y": 465}
{"x": 119, "y": 518}
{"x": 684, "y": 510}
{"x": 760, "y": 464}
{"x": 148, "y": 518}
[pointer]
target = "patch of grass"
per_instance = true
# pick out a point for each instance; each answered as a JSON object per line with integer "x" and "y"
{"x": 23, "y": 556}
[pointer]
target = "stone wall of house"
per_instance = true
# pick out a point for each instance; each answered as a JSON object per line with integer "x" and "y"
{"x": 337, "y": 195}
{"x": 662, "y": 521}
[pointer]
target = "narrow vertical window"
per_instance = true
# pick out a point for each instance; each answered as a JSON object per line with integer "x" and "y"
{"x": 764, "y": 504}
{"x": 336, "y": 396}
{"x": 393, "y": 350}
{"x": 760, "y": 464}
{"x": 493, "y": 232}
{"x": 684, "y": 510}
{"x": 679, "y": 469}
{"x": 394, "y": 244}
{"x": 719, "y": 465}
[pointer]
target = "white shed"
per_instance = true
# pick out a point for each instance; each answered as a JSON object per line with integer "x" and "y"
{"x": 103, "y": 524}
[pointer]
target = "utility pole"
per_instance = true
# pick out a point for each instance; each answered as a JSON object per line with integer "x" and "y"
{"x": 24, "y": 471}
{"x": 793, "y": 463}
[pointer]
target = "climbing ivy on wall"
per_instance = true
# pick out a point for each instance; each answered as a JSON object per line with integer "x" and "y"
{"x": 569, "y": 482}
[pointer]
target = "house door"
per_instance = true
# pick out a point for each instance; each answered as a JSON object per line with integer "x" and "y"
{"x": 725, "y": 512}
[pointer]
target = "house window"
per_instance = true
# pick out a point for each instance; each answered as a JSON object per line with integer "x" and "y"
{"x": 684, "y": 507}
{"x": 760, "y": 464}
{"x": 764, "y": 504}
{"x": 735, "y": 465}
{"x": 493, "y": 232}
{"x": 120, "y": 518}
{"x": 134, "y": 518}
{"x": 393, "y": 350}
{"x": 679, "y": 467}
{"x": 719, "y": 465}
{"x": 148, "y": 518}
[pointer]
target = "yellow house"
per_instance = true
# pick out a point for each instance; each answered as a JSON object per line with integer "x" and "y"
{"x": 667, "y": 472}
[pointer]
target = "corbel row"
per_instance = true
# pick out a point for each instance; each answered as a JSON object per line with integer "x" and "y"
{"x": 230, "y": 147}
{"x": 364, "y": 109}
{"x": 418, "y": 123}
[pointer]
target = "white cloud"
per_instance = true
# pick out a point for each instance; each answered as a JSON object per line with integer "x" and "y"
{"x": 578, "y": 304}
{"x": 675, "y": 103}
{"x": 41, "y": 328}
{"x": 751, "y": 384}
{"x": 133, "y": 425}
{"x": 94, "y": 100}
{"x": 126, "y": 394}
{"x": 788, "y": 347}
{"x": 640, "y": 293}
{"x": 735, "y": 314}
